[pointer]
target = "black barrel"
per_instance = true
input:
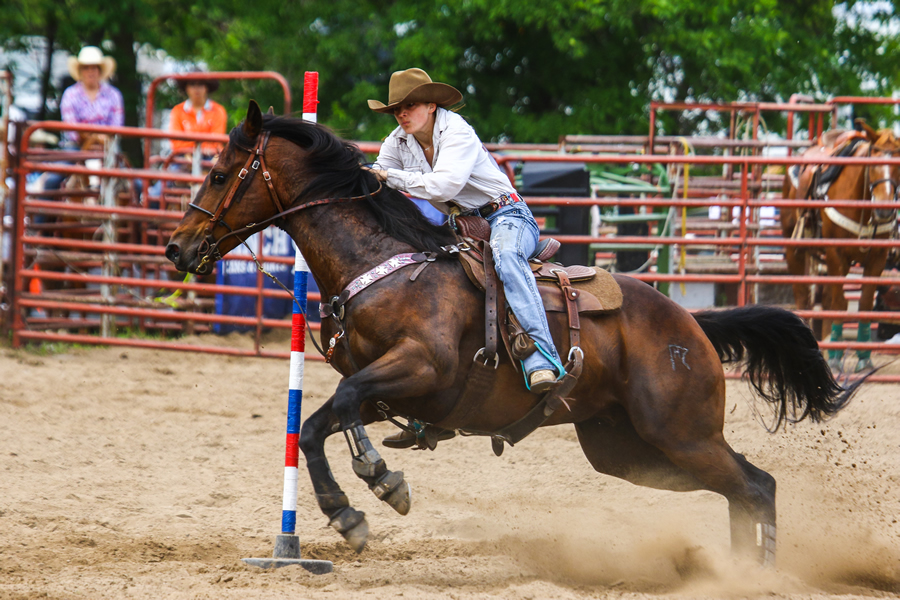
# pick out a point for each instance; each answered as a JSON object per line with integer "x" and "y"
{"x": 561, "y": 180}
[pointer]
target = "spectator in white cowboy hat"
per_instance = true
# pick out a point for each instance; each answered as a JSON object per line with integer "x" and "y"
{"x": 436, "y": 155}
{"x": 92, "y": 100}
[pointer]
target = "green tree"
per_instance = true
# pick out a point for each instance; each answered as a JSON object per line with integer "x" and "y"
{"x": 532, "y": 71}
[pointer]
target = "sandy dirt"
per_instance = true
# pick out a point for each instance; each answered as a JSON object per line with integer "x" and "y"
{"x": 138, "y": 474}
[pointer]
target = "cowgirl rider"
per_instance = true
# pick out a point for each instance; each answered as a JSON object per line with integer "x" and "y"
{"x": 435, "y": 155}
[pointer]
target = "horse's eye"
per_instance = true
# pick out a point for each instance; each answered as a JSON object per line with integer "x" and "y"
{"x": 219, "y": 178}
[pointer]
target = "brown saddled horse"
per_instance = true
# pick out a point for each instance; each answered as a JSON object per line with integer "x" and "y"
{"x": 875, "y": 182}
{"x": 648, "y": 408}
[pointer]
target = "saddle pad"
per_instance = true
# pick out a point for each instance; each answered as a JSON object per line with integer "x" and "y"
{"x": 604, "y": 288}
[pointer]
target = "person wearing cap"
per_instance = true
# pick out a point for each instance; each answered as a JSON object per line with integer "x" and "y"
{"x": 198, "y": 114}
{"x": 434, "y": 154}
{"x": 92, "y": 99}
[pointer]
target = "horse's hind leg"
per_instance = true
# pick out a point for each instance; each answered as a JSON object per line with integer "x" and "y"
{"x": 749, "y": 490}
{"x": 753, "y": 527}
{"x": 613, "y": 446}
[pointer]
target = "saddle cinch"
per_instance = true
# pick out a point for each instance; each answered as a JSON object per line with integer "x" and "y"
{"x": 573, "y": 290}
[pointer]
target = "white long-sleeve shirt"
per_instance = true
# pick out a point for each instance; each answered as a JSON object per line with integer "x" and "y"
{"x": 463, "y": 171}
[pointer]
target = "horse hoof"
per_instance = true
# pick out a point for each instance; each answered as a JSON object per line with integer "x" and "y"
{"x": 351, "y": 524}
{"x": 394, "y": 490}
{"x": 358, "y": 536}
{"x": 401, "y": 499}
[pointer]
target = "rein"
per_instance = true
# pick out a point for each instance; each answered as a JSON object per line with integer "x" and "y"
{"x": 255, "y": 163}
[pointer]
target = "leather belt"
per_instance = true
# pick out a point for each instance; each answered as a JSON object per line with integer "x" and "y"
{"x": 495, "y": 205}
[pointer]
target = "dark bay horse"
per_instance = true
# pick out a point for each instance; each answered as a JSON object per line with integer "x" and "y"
{"x": 648, "y": 408}
{"x": 875, "y": 182}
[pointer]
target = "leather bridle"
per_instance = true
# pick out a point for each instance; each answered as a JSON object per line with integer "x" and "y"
{"x": 877, "y": 182}
{"x": 209, "y": 247}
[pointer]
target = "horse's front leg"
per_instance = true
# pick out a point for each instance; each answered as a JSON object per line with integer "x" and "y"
{"x": 332, "y": 500}
{"x": 403, "y": 372}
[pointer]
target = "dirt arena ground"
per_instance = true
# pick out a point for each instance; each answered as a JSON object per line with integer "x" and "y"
{"x": 138, "y": 474}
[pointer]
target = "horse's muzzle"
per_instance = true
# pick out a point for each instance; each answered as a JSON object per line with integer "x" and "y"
{"x": 173, "y": 252}
{"x": 176, "y": 254}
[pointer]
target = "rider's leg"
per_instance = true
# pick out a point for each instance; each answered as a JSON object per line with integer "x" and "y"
{"x": 514, "y": 236}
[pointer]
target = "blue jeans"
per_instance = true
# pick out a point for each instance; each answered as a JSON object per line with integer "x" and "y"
{"x": 514, "y": 237}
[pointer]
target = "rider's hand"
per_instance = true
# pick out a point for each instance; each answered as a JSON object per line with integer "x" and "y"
{"x": 379, "y": 173}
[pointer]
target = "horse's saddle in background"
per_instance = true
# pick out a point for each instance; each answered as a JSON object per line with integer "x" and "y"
{"x": 814, "y": 181}
{"x": 597, "y": 291}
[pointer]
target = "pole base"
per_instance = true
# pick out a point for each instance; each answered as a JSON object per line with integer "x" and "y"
{"x": 316, "y": 567}
{"x": 287, "y": 552}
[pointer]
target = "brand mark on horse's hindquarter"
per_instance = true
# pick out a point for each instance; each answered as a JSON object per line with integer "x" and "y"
{"x": 679, "y": 352}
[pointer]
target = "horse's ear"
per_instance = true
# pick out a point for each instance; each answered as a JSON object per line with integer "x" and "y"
{"x": 870, "y": 133}
{"x": 253, "y": 122}
{"x": 271, "y": 110}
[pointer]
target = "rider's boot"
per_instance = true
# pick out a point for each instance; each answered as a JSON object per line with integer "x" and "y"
{"x": 542, "y": 380}
{"x": 401, "y": 440}
{"x": 407, "y": 438}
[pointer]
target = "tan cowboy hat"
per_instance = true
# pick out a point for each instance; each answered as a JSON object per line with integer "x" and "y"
{"x": 414, "y": 85}
{"x": 91, "y": 55}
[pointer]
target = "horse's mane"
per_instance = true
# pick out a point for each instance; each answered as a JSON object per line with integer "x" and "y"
{"x": 337, "y": 173}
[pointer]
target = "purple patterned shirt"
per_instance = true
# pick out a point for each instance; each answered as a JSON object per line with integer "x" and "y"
{"x": 106, "y": 109}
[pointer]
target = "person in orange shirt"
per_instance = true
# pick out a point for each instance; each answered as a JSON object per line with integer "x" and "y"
{"x": 198, "y": 114}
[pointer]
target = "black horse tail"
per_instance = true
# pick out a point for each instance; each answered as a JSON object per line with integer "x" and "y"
{"x": 783, "y": 361}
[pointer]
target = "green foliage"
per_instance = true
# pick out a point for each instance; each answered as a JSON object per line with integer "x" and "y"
{"x": 529, "y": 71}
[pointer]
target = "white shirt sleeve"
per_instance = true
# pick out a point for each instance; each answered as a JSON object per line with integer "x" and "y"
{"x": 389, "y": 156}
{"x": 455, "y": 157}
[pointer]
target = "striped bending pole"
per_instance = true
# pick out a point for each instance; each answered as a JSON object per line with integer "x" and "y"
{"x": 287, "y": 545}
{"x": 295, "y": 398}
{"x": 298, "y": 347}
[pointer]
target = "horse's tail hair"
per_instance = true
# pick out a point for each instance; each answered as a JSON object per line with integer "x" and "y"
{"x": 783, "y": 361}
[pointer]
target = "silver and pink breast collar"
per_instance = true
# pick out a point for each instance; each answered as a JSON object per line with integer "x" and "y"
{"x": 336, "y": 305}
